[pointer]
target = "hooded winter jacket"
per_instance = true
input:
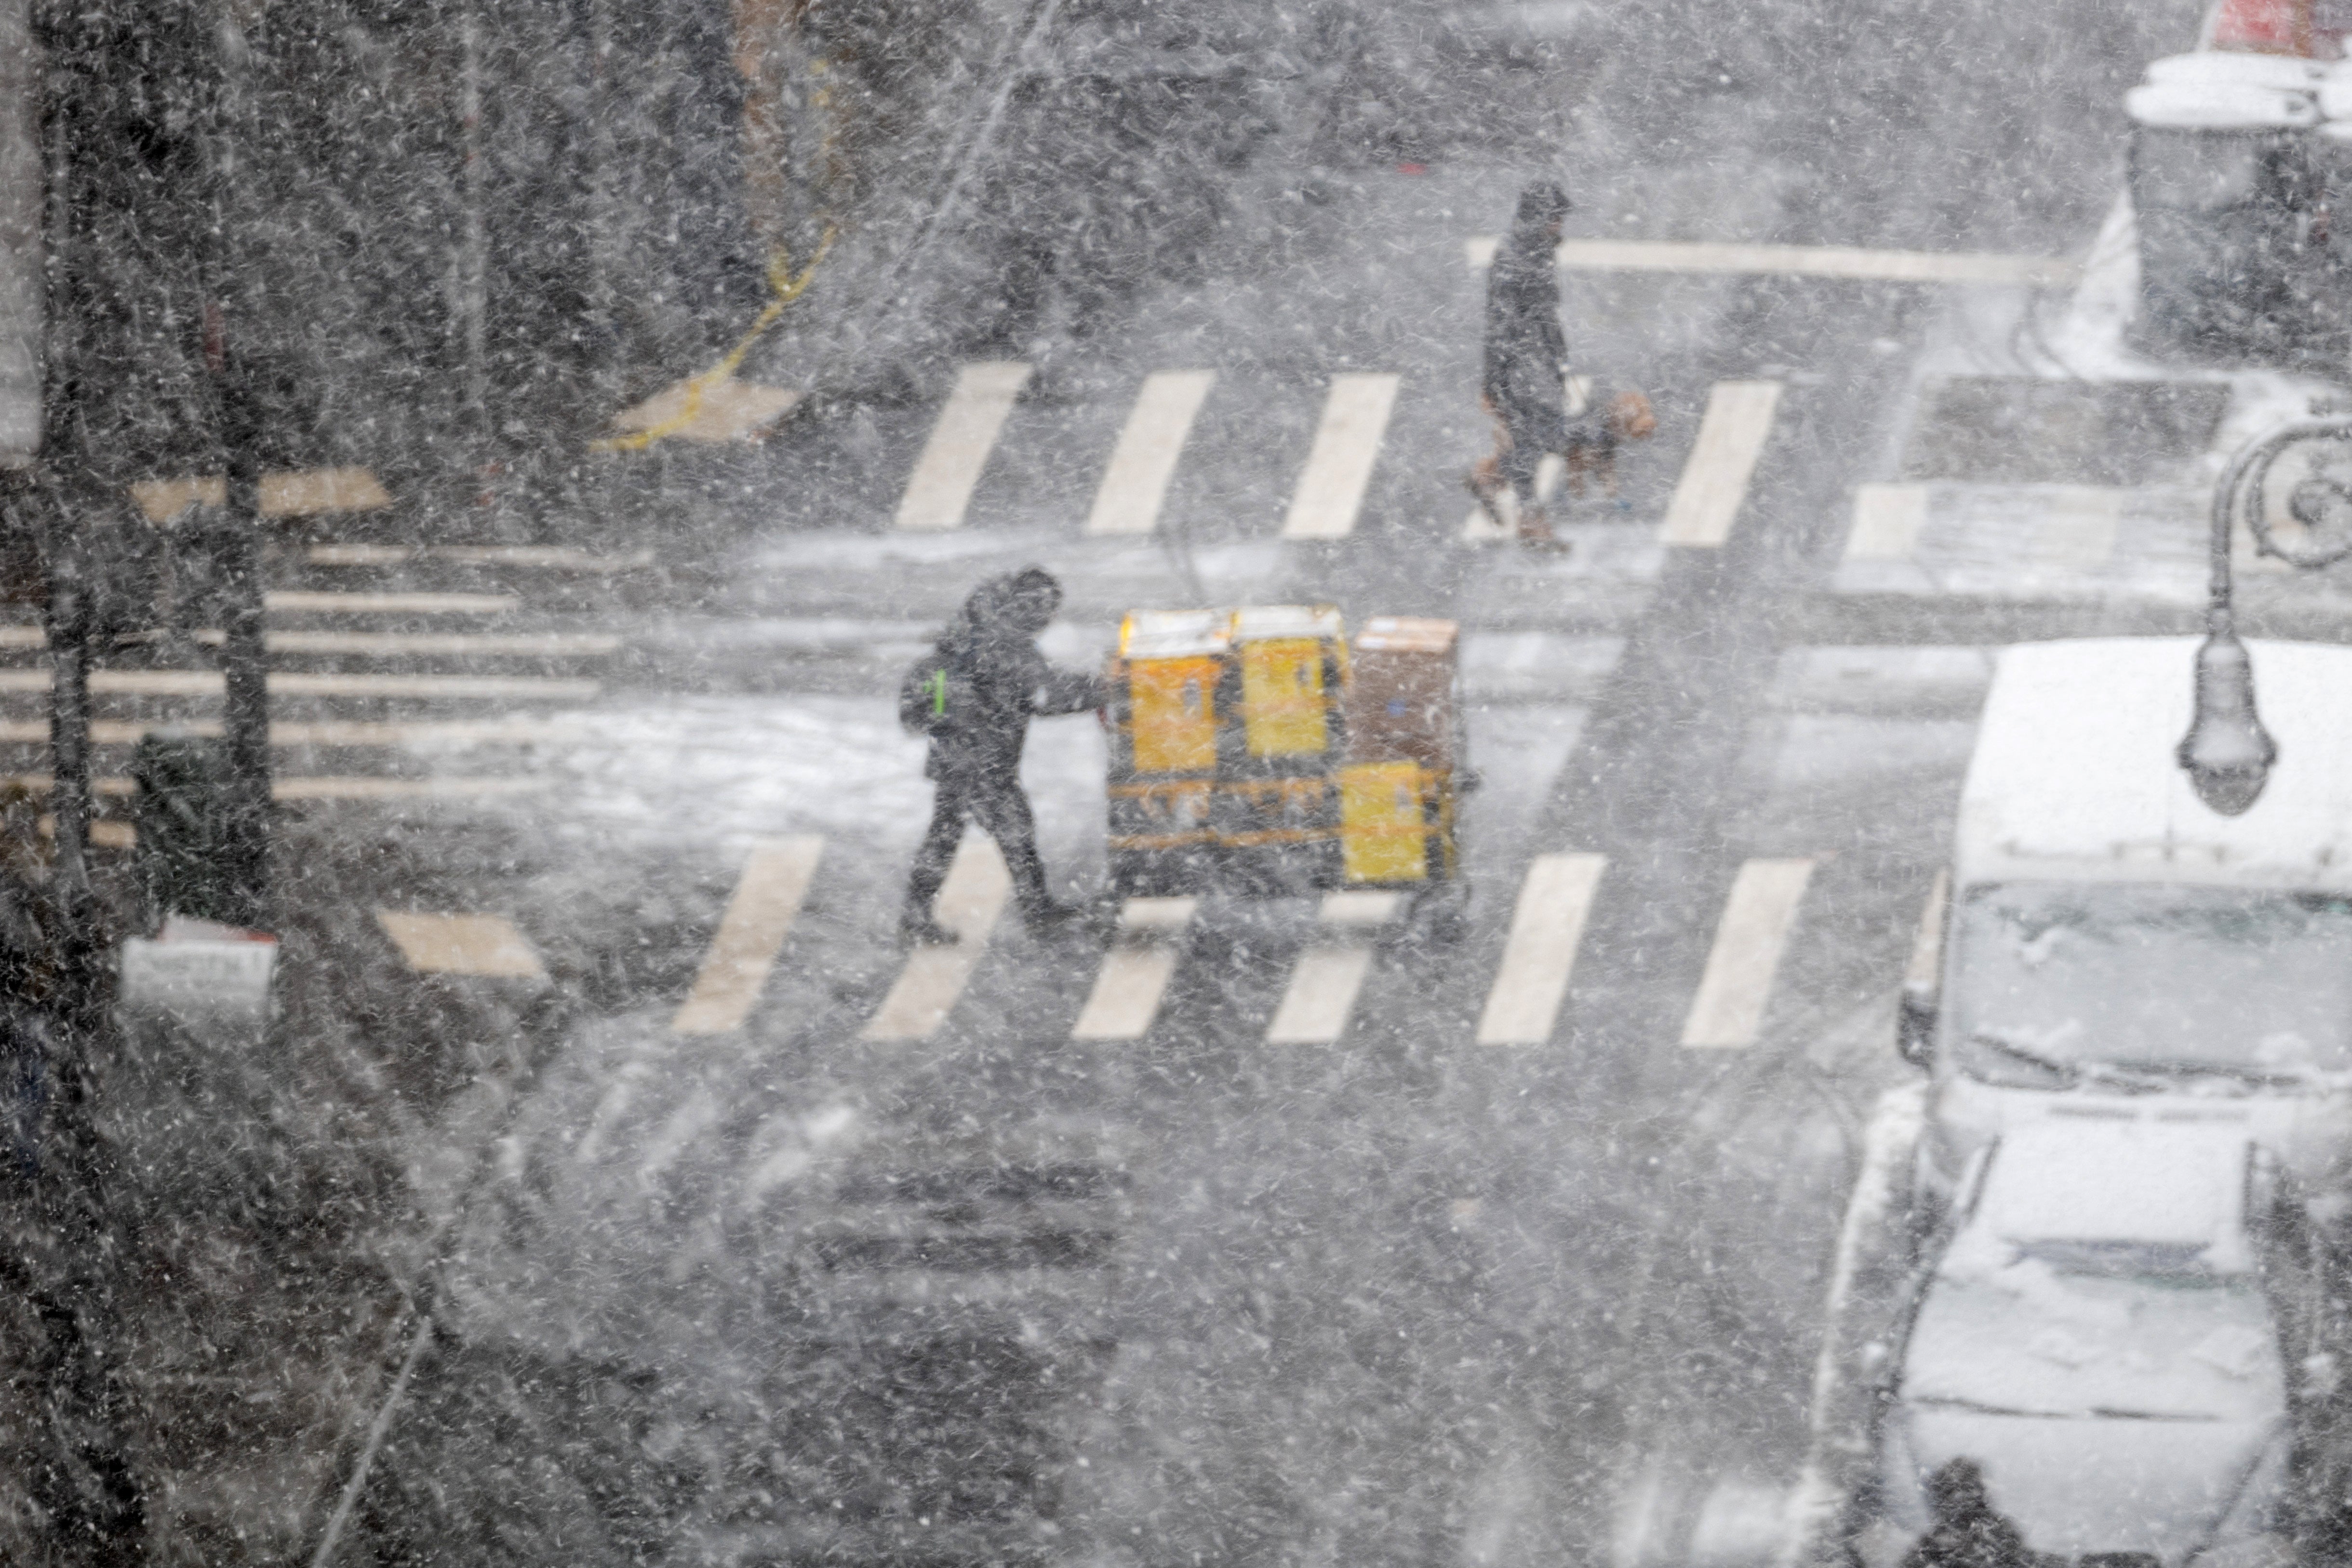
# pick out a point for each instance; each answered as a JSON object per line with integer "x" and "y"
{"x": 992, "y": 647}
{"x": 1524, "y": 345}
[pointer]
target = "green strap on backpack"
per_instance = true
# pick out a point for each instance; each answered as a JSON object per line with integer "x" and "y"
{"x": 934, "y": 695}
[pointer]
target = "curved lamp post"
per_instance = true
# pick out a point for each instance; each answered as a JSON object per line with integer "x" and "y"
{"x": 2227, "y": 754}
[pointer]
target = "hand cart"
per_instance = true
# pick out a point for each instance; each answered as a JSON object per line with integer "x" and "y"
{"x": 1255, "y": 752}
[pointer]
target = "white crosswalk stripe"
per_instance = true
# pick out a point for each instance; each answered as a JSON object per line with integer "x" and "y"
{"x": 363, "y": 786}
{"x": 1135, "y": 973}
{"x": 950, "y": 468}
{"x": 1728, "y": 1010}
{"x": 487, "y": 945}
{"x": 768, "y": 896}
{"x": 1714, "y": 484}
{"x": 538, "y": 557}
{"x": 933, "y": 978}
{"x": 1887, "y": 520}
{"x": 1330, "y": 491}
{"x": 445, "y": 644}
{"x": 1136, "y": 482}
{"x": 392, "y": 604}
{"x": 1547, "y": 928}
{"x": 1321, "y": 995}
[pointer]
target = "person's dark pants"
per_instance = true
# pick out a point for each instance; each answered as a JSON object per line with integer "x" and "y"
{"x": 1002, "y": 813}
{"x": 1532, "y": 433}
{"x": 1518, "y": 460}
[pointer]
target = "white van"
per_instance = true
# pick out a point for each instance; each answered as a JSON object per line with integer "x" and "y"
{"x": 2114, "y": 950}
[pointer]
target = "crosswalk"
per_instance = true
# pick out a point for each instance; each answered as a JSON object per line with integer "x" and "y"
{"x": 1983, "y": 537}
{"x": 1524, "y": 1004}
{"x": 1327, "y": 502}
{"x": 361, "y": 684}
{"x": 1728, "y": 1010}
{"x": 1324, "y": 974}
{"x": 1320, "y": 976}
{"x": 487, "y": 946}
{"x": 1320, "y": 1001}
{"x": 1323, "y": 988}
{"x": 1848, "y": 263}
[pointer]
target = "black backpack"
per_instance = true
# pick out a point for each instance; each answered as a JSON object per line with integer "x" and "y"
{"x": 936, "y": 695}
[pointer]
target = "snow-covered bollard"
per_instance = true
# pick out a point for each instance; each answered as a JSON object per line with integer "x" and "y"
{"x": 211, "y": 980}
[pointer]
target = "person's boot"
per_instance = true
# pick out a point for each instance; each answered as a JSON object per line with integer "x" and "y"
{"x": 1489, "y": 491}
{"x": 1534, "y": 530}
{"x": 918, "y": 928}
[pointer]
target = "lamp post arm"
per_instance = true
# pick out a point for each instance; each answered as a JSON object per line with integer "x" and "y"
{"x": 2244, "y": 479}
{"x": 2227, "y": 754}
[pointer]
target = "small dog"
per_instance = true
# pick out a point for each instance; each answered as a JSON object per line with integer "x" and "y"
{"x": 1594, "y": 435}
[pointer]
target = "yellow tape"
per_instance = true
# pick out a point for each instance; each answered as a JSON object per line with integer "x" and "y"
{"x": 786, "y": 287}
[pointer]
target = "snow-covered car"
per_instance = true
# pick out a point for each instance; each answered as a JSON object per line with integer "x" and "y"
{"x": 2114, "y": 948}
{"x": 2127, "y": 1327}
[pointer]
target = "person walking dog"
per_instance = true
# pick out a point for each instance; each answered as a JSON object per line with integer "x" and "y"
{"x": 1526, "y": 360}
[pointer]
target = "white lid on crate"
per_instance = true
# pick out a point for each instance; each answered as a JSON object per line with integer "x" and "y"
{"x": 1257, "y": 623}
{"x": 1174, "y": 634}
{"x": 1406, "y": 633}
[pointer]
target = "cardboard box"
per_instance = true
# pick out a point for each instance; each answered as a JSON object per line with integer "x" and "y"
{"x": 1400, "y": 703}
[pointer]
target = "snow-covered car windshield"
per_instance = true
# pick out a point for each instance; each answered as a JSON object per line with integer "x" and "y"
{"x": 2056, "y": 984}
{"x": 2011, "y": 1331}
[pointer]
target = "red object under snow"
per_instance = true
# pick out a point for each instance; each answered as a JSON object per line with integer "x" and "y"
{"x": 2265, "y": 26}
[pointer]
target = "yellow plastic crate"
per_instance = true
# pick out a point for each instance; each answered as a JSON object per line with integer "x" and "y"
{"x": 1173, "y": 708}
{"x": 1285, "y": 711}
{"x": 1385, "y": 828}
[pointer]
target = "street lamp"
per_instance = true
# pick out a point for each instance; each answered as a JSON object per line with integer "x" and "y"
{"x": 2227, "y": 754}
